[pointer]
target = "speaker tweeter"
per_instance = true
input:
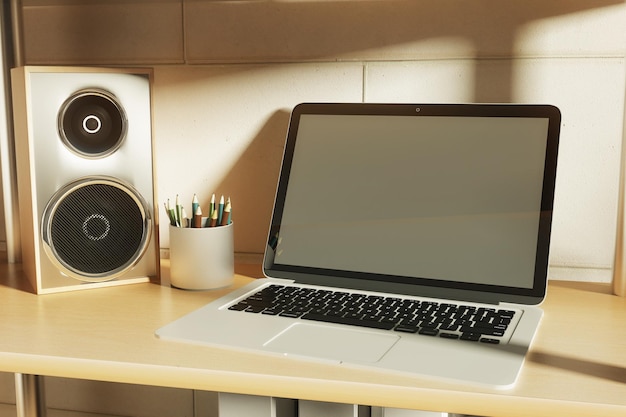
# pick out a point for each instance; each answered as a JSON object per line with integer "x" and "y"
{"x": 92, "y": 123}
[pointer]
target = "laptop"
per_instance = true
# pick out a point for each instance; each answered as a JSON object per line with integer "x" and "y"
{"x": 410, "y": 238}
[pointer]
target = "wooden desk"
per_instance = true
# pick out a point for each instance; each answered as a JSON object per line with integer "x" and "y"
{"x": 577, "y": 365}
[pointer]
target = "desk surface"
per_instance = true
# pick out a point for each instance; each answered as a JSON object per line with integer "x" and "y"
{"x": 576, "y": 367}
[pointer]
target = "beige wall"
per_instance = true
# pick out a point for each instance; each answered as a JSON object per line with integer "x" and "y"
{"x": 221, "y": 115}
{"x": 220, "y": 127}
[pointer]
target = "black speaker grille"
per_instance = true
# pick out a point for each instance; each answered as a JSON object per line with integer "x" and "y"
{"x": 96, "y": 229}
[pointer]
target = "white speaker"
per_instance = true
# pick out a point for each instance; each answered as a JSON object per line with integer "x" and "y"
{"x": 85, "y": 176}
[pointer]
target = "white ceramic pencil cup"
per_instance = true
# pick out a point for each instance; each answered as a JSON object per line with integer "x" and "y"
{"x": 202, "y": 258}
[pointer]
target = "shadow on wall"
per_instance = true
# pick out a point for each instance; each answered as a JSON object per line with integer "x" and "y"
{"x": 263, "y": 155}
{"x": 279, "y": 31}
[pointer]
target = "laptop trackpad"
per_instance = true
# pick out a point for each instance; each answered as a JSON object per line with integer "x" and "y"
{"x": 320, "y": 341}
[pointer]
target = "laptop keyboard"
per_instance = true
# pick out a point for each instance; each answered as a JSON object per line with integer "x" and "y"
{"x": 429, "y": 318}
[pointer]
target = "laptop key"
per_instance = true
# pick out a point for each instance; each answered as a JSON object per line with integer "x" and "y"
{"x": 426, "y": 331}
{"x": 506, "y": 313}
{"x": 292, "y": 314}
{"x": 407, "y": 328}
{"x": 487, "y": 331}
{"x": 472, "y": 337}
{"x": 254, "y": 309}
{"x": 348, "y": 321}
{"x": 238, "y": 307}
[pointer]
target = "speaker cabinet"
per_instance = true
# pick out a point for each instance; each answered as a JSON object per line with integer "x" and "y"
{"x": 85, "y": 176}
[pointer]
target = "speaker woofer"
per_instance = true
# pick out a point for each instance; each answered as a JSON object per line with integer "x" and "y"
{"x": 92, "y": 124}
{"x": 96, "y": 228}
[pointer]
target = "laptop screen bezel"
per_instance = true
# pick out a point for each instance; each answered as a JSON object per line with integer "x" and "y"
{"x": 411, "y": 285}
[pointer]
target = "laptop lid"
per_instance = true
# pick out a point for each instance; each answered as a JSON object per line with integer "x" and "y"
{"x": 450, "y": 201}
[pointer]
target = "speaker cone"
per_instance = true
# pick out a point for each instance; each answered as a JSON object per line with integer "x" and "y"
{"x": 96, "y": 228}
{"x": 92, "y": 124}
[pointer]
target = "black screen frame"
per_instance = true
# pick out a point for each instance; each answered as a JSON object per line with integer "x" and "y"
{"x": 412, "y": 285}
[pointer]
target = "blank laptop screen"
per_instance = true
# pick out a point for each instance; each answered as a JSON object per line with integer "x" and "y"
{"x": 439, "y": 198}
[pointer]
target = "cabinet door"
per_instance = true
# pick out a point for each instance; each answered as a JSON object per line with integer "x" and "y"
{"x": 102, "y": 32}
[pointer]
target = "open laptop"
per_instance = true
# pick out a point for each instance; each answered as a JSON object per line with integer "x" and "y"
{"x": 412, "y": 238}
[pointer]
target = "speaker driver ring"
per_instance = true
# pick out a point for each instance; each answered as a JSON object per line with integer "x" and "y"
{"x": 95, "y": 229}
{"x": 92, "y": 123}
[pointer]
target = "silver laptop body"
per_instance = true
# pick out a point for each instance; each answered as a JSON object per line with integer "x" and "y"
{"x": 408, "y": 204}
